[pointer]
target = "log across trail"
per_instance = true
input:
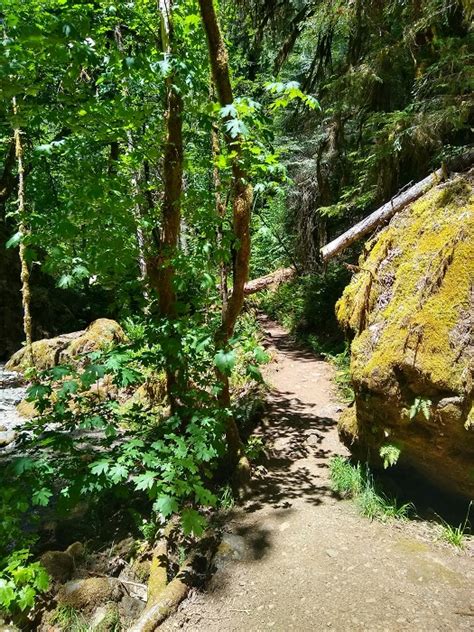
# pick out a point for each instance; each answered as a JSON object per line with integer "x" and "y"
{"x": 366, "y": 226}
{"x": 295, "y": 557}
{"x": 383, "y": 214}
{"x": 270, "y": 280}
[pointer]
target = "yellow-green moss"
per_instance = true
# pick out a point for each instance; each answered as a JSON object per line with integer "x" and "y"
{"x": 428, "y": 251}
{"x": 99, "y": 333}
{"x": 469, "y": 425}
{"x": 52, "y": 351}
{"x": 348, "y": 422}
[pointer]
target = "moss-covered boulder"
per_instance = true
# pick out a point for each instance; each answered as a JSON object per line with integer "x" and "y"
{"x": 68, "y": 348}
{"x": 410, "y": 308}
{"x": 87, "y": 594}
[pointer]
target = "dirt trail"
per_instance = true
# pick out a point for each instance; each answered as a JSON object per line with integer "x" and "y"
{"x": 297, "y": 558}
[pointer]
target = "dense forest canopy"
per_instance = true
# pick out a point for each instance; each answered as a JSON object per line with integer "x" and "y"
{"x": 155, "y": 156}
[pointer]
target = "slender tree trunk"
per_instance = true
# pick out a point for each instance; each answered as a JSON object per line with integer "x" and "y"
{"x": 289, "y": 43}
{"x": 23, "y": 230}
{"x": 241, "y": 212}
{"x": 137, "y": 214}
{"x": 221, "y": 211}
{"x": 173, "y": 186}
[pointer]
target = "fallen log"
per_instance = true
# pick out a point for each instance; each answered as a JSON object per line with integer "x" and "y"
{"x": 396, "y": 204}
{"x": 274, "y": 279}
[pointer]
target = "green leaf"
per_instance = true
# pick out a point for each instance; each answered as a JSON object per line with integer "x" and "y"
{"x": 27, "y": 598}
{"x": 41, "y": 497}
{"x": 42, "y": 580}
{"x": 65, "y": 281}
{"x": 390, "y": 454}
{"x": 228, "y": 111}
{"x": 37, "y": 391}
{"x": 7, "y": 594}
{"x": 14, "y": 240}
{"x": 254, "y": 372}
{"x": 166, "y": 505}
{"x": 204, "y": 496}
{"x": 236, "y": 127}
{"x": 100, "y": 467}
{"x": 144, "y": 481}
{"x": 225, "y": 361}
{"x": 68, "y": 388}
{"x": 193, "y": 522}
{"x": 118, "y": 472}
{"x": 58, "y": 372}
{"x": 23, "y": 464}
{"x": 260, "y": 355}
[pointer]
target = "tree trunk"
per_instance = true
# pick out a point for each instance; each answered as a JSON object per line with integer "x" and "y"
{"x": 241, "y": 212}
{"x": 221, "y": 212}
{"x": 163, "y": 280}
{"x": 23, "y": 230}
{"x": 383, "y": 214}
{"x": 137, "y": 214}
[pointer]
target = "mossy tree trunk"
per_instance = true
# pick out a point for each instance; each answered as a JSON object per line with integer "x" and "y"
{"x": 23, "y": 230}
{"x": 241, "y": 213}
{"x": 163, "y": 280}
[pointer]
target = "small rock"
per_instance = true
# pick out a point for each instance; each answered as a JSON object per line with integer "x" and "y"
{"x": 105, "y": 618}
{"x": 59, "y": 564}
{"x": 130, "y": 609}
{"x": 7, "y": 627}
{"x": 232, "y": 547}
{"x": 331, "y": 553}
{"x": 7, "y": 437}
{"x": 125, "y": 548}
{"x": 88, "y": 594}
{"x": 313, "y": 440}
{"x": 76, "y": 550}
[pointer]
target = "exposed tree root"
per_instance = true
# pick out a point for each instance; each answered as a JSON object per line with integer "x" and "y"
{"x": 168, "y": 599}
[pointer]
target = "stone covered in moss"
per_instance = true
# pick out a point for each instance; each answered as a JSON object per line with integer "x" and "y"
{"x": 68, "y": 348}
{"x": 410, "y": 308}
{"x": 87, "y": 594}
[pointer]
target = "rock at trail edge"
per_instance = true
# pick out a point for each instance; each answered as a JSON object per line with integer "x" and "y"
{"x": 410, "y": 308}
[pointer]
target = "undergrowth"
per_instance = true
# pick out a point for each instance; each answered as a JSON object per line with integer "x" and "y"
{"x": 305, "y": 307}
{"x": 357, "y": 482}
{"x": 68, "y": 618}
{"x": 104, "y": 448}
{"x": 456, "y": 536}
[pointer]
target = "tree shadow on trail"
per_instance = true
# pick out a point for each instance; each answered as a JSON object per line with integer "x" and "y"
{"x": 295, "y": 462}
{"x": 299, "y": 443}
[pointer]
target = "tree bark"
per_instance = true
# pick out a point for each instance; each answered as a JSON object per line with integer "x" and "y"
{"x": 23, "y": 230}
{"x": 241, "y": 212}
{"x": 163, "y": 277}
{"x": 289, "y": 43}
{"x": 173, "y": 179}
{"x": 396, "y": 204}
{"x": 242, "y": 190}
{"x": 168, "y": 600}
{"x": 221, "y": 212}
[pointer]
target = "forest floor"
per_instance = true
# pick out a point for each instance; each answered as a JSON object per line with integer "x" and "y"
{"x": 296, "y": 557}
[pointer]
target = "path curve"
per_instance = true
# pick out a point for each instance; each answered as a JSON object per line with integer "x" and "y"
{"x": 295, "y": 557}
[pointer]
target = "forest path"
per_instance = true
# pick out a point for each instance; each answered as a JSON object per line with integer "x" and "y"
{"x": 295, "y": 557}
